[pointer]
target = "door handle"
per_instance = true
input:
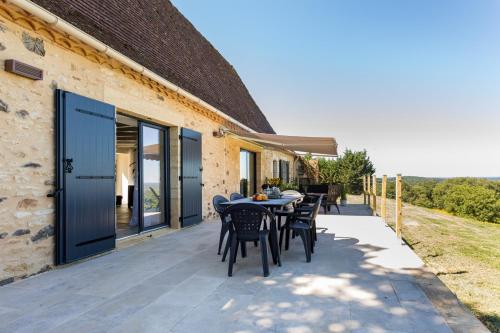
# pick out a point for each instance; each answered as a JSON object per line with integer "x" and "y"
{"x": 55, "y": 193}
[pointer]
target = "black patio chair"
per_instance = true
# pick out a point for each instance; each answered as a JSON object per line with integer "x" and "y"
{"x": 303, "y": 223}
{"x": 287, "y": 210}
{"x": 217, "y": 201}
{"x": 309, "y": 200}
{"x": 248, "y": 224}
{"x": 307, "y": 204}
{"x": 235, "y": 196}
{"x": 224, "y": 228}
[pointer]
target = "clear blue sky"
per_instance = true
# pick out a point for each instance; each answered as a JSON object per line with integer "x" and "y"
{"x": 416, "y": 83}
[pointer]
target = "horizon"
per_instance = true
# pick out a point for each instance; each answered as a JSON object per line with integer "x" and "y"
{"x": 409, "y": 82}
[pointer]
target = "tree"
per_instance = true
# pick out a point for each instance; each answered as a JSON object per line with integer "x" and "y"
{"x": 347, "y": 169}
{"x": 353, "y": 166}
{"x": 473, "y": 201}
{"x": 329, "y": 171}
{"x": 441, "y": 189}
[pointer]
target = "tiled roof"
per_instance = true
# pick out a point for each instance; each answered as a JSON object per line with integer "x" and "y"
{"x": 156, "y": 35}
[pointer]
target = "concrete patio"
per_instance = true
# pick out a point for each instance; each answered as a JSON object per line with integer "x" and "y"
{"x": 358, "y": 281}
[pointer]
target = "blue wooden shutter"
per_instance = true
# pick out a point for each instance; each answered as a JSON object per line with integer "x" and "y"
{"x": 85, "y": 177}
{"x": 191, "y": 177}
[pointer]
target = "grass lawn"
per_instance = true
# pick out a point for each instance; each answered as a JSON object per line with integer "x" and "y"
{"x": 463, "y": 253}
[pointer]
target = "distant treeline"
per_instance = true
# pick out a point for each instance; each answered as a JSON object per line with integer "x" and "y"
{"x": 478, "y": 198}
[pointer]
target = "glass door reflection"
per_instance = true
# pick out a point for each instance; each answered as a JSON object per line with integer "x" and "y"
{"x": 247, "y": 173}
{"x": 153, "y": 176}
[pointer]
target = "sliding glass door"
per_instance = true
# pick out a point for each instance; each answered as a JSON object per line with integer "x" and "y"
{"x": 248, "y": 179}
{"x": 153, "y": 174}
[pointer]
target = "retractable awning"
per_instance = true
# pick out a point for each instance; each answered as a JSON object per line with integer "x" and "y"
{"x": 307, "y": 144}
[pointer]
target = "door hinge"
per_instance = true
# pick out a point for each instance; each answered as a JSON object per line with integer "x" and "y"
{"x": 180, "y": 178}
{"x": 55, "y": 193}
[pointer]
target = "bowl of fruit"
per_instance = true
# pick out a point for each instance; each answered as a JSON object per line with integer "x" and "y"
{"x": 259, "y": 197}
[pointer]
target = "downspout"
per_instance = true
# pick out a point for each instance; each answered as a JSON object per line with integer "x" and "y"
{"x": 68, "y": 28}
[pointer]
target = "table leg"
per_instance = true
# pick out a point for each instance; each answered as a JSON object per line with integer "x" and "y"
{"x": 276, "y": 247}
{"x": 274, "y": 243}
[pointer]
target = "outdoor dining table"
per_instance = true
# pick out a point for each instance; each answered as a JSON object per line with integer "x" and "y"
{"x": 272, "y": 205}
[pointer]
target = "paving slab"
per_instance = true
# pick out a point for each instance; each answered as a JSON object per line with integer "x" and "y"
{"x": 359, "y": 280}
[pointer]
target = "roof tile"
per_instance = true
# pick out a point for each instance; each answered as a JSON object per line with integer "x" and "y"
{"x": 156, "y": 35}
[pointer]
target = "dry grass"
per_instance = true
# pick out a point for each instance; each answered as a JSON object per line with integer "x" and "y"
{"x": 464, "y": 253}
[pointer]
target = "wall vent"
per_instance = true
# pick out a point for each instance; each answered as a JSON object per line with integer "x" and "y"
{"x": 22, "y": 69}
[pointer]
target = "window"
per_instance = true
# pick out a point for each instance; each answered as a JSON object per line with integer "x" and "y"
{"x": 248, "y": 179}
{"x": 284, "y": 171}
{"x": 276, "y": 172}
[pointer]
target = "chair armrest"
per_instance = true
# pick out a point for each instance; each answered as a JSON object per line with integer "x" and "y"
{"x": 227, "y": 219}
{"x": 264, "y": 232}
{"x": 303, "y": 209}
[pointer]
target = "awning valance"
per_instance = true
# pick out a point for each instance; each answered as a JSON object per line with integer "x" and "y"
{"x": 306, "y": 144}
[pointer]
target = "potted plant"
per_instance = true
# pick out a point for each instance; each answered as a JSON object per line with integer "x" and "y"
{"x": 343, "y": 195}
{"x": 274, "y": 182}
{"x": 331, "y": 172}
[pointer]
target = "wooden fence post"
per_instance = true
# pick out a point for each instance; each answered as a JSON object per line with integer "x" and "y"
{"x": 374, "y": 195}
{"x": 369, "y": 192}
{"x": 364, "y": 190}
{"x": 399, "y": 207}
{"x": 383, "y": 199}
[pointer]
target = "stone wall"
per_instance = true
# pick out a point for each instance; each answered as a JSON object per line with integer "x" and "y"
{"x": 27, "y": 160}
{"x": 273, "y": 155}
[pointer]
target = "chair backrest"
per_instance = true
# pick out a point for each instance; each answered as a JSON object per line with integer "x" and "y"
{"x": 247, "y": 219}
{"x": 317, "y": 188}
{"x": 316, "y": 207}
{"x": 217, "y": 200}
{"x": 291, "y": 192}
{"x": 334, "y": 192}
{"x": 235, "y": 196}
{"x": 310, "y": 199}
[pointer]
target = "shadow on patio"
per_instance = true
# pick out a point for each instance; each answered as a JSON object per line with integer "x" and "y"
{"x": 357, "y": 282}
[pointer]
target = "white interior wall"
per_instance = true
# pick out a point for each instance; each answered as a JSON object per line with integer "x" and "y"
{"x": 123, "y": 179}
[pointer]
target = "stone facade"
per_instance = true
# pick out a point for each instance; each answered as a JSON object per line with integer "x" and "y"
{"x": 27, "y": 158}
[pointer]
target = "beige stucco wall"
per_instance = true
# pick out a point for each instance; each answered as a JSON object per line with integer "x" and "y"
{"x": 27, "y": 160}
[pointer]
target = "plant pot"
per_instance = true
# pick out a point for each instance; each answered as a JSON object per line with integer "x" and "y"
{"x": 343, "y": 202}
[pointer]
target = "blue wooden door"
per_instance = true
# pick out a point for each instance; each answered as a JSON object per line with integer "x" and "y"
{"x": 191, "y": 177}
{"x": 85, "y": 177}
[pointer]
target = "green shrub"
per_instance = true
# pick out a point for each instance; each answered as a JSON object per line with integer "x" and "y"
{"x": 289, "y": 186}
{"x": 441, "y": 189}
{"x": 472, "y": 201}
